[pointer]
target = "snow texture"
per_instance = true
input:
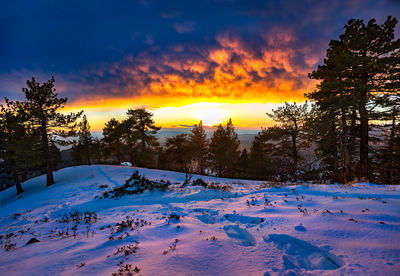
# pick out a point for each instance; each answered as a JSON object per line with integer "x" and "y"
{"x": 254, "y": 228}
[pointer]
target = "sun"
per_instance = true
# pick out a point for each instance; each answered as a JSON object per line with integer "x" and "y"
{"x": 209, "y": 113}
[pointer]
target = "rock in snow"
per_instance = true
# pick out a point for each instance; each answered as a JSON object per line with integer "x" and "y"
{"x": 33, "y": 240}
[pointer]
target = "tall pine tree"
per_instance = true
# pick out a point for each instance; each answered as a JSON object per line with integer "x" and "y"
{"x": 43, "y": 108}
{"x": 291, "y": 119}
{"x": 362, "y": 68}
{"x": 199, "y": 146}
{"x": 113, "y": 146}
{"x": 17, "y": 142}
{"x": 142, "y": 128}
{"x": 224, "y": 150}
{"x": 82, "y": 149}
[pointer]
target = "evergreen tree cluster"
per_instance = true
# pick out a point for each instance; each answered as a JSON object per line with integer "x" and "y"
{"x": 31, "y": 130}
{"x": 359, "y": 86}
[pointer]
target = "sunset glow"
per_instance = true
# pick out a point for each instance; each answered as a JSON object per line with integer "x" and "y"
{"x": 179, "y": 60}
{"x": 210, "y": 114}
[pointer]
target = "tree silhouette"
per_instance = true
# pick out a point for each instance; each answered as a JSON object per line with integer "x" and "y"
{"x": 141, "y": 128}
{"x": 112, "y": 140}
{"x": 83, "y": 147}
{"x": 224, "y": 150}
{"x": 199, "y": 146}
{"x": 362, "y": 68}
{"x": 291, "y": 118}
{"x": 42, "y": 107}
{"x": 17, "y": 142}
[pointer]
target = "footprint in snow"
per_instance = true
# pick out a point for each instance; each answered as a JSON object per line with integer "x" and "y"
{"x": 207, "y": 218}
{"x": 300, "y": 228}
{"x": 239, "y": 235}
{"x": 303, "y": 255}
{"x": 243, "y": 219}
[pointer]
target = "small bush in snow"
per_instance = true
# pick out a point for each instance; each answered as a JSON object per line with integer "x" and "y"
{"x": 126, "y": 269}
{"x": 9, "y": 246}
{"x": 218, "y": 186}
{"x": 130, "y": 223}
{"x": 172, "y": 247}
{"x": 81, "y": 265}
{"x": 200, "y": 182}
{"x": 212, "y": 185}
{"x": 126, "y": 249}
{"x": 136, "y": 184}
{"x": 7, "y": 243}
{"x": 78, "y": 217}
{"x": 174, "y": 216}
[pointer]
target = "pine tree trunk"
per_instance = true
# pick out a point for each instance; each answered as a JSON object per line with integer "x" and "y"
{"x": 345, "y": 149}
{"x": 49, "y": 174}
{"x": 335, "y": 165}
{"x": 87, "y": 154}
{"x": 17, "y": 183}
{"x": 364, "y": 125}
{"x": 352, "y": 142}
{"x": 294, "y": 152}
{"x": 363, "y": 142}
{"x": 45, "y": 144}
{"x": 389, "y": 167}
{"x": 99, "y": 153}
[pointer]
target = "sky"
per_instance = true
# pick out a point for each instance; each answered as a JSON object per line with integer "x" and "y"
{"x": 184, "y": 60}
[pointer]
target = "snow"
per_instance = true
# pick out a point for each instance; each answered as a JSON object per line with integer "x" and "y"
{"x": 255, "y": 228}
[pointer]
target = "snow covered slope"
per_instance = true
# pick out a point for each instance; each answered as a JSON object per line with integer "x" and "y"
{"x": 251, "y": 229}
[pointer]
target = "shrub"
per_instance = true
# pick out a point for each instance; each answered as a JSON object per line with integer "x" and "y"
{"x": 200, "y": 182}
{"x": 136, "y": 184}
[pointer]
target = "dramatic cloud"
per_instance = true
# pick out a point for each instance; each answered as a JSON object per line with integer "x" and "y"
{"x": 162, "y": 53}
{"x": 229, "y": 70}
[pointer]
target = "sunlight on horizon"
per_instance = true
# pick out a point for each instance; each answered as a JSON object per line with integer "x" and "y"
{"x": 210, "y": 113}
{"x": 250, "y": 116}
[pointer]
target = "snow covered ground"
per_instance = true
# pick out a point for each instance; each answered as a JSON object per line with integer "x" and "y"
{"x": 252, "y": 229}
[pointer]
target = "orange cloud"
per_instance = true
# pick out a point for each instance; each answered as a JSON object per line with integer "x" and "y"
{"x": 229, "y": 71}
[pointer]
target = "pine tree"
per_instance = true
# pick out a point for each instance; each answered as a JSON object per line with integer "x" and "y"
{"x": 322, "y": 128}
{"x": 141, "y": 128}
{"x": 178, "y": 151}
{"x": 17, "y": 142}
{"x": 232, "y": 151}
{"x": 217, "y": 150}
{"x": 261, "y": 160}
{"x": 224, "y": 150}
{"x": 375, "y": 71}
{"x": 83, "y": 147}
{"x": 362, "y": 69}
{"x": 112, "y": 140}
{"x": 199, "y": 146}
{"x": 180, "y": 155}
{"x": 337, "y": 104}
{"x": 243, "y": 164}
{"x": 291, "y": 118}
{"x": 42, "y": 107}
{"x": 386, "y": 165}
{"x": 390, "y": 150}
{"x": 97, "y": 147}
